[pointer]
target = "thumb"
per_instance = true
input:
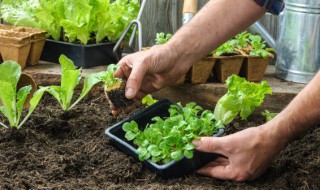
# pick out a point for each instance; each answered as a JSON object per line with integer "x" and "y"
{"x": 134, "y": 80}
{"x": 209, "y": 144}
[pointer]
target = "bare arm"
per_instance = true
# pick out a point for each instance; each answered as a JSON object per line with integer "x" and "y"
{"x": 162, "y": 65}
{"x": 249, "y": 152}
{"x": 301, "y": 114}
{"x": 217, "y": 22}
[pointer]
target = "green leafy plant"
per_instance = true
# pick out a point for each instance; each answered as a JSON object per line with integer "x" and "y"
{"x": 163, "y": 38}
{"x": 13, "y": 101}
{"x": 81, "y": 20}
{"x": 268, "y": 115}
{"x": 242, "y": 40}
{"x": 259, "y": 47}
{"x": 228, "y": 48}
{"x": 70, "y": 78}
{"x": 242, "y": 97}
{"x": 170, "y": 138}
{"x": 108, "y": 76}
{"x": 148, "y": 100}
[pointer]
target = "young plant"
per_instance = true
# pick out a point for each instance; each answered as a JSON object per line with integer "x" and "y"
{"x": 148, "y": 100}
{"x": 259, "y": 47}
{"x": 242, "y": 97}
{"x": 268, "y": 115}
{"x": 170, "y": 138}
{"x": 74, "y": 21}
{"x": 13, "y": 101}
{"x": 228, "y": 48}
{"x": 70, "y": 78}
{"x": 163, "y": 38}
{"x": 242, "y": 40}
{"x": 115, "y": 88}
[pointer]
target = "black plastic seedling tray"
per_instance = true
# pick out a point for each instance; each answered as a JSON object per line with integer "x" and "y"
{"x": 84, "y": 56}
{"x": 172, "y": 169}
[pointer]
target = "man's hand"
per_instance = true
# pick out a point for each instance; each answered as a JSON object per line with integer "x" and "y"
{"x": 148, "y": 71}
{"x": 248, "y": 154}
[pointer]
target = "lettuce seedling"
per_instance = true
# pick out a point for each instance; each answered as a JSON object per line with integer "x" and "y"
{"x": 148, "y": 100}
{"x": 242, "y": 40}
{"x": 13, "y": 101}
{"x": 259, "y": 47}
{"x": 170, "y": 138}
{"x": 70, "y": 78}
{"x": 115, "y": 88}
{"x": 228, "y": 48}
{"x": 242, "y": 97}
{"x": 163, "y": 38}
{"x": 268, "y": 115}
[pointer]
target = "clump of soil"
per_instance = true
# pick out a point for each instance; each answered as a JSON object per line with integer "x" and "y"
{"x": 57, "y": 150}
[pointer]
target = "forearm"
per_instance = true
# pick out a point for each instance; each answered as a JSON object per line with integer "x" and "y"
{"x": 301, "y": 114}
{"x": 217, "y": 21}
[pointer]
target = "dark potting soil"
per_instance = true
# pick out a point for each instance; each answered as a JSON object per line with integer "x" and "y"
{"x": 56, "y": 150}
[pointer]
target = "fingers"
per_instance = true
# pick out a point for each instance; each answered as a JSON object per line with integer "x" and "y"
{"x": 219, "y": 171}
{"x": 134, "y": 80}
{"x": 210, "y": 144}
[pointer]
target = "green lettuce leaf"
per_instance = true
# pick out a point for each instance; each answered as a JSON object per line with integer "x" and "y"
{"x": 13, "y": 102}
{"x": 33, "y": 103}
{"x": 242, "y": 97}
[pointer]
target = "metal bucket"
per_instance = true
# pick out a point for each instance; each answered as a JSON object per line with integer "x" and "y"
{"x": 298, "y": 44}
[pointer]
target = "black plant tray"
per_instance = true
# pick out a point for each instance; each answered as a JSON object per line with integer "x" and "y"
{"x": 172, "y": 169}
{"x": 84, "y": 56}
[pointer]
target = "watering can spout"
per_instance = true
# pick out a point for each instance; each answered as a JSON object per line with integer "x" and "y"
{"x": 258, "y": 28}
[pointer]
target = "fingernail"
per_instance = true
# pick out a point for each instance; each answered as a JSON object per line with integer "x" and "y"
{"x": 196, "y": 142}
{"x": 129, "y": 93}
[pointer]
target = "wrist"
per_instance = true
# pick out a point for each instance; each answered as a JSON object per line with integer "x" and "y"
{"x": 275, "y": 133}
{"x": 184, "y": 56}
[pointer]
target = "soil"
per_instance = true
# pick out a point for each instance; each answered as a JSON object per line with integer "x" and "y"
{"x": 57, "y": 150}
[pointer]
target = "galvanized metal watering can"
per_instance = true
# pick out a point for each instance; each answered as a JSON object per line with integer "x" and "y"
{"x": 298, "y": 43}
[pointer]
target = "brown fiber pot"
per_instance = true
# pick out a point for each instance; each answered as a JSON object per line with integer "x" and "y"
{"x": 200, "y": 71}
{"x": 254, "y": 67}
{"x": 15, "y": 46}
{"x": 227, "y": 65}
{"x": 38, "y": 39}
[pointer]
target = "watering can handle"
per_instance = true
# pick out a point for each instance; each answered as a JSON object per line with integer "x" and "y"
{"x": 190, "y": 8}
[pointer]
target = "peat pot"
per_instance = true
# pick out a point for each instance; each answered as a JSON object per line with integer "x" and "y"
{"x": 170, "y": 170}
{"x": 254, "y": 67}
{"x": 37, "y": 41}
{"x": 201, "y": 70}
{"x": 15, "y": 46}
{"x": 225, "y": 66}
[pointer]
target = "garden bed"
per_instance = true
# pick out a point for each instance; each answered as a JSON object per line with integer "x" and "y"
{"x": 55, "y": 150}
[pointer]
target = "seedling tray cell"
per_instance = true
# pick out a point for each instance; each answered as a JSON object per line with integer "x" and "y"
{"x": 172, "y": 169}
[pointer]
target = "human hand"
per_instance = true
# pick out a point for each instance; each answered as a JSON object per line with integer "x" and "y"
{"x": 148, "y": 71}
{"x": 248, "y": 153}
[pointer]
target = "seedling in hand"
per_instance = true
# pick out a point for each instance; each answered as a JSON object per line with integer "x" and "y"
{"x": 115, "y": 88}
